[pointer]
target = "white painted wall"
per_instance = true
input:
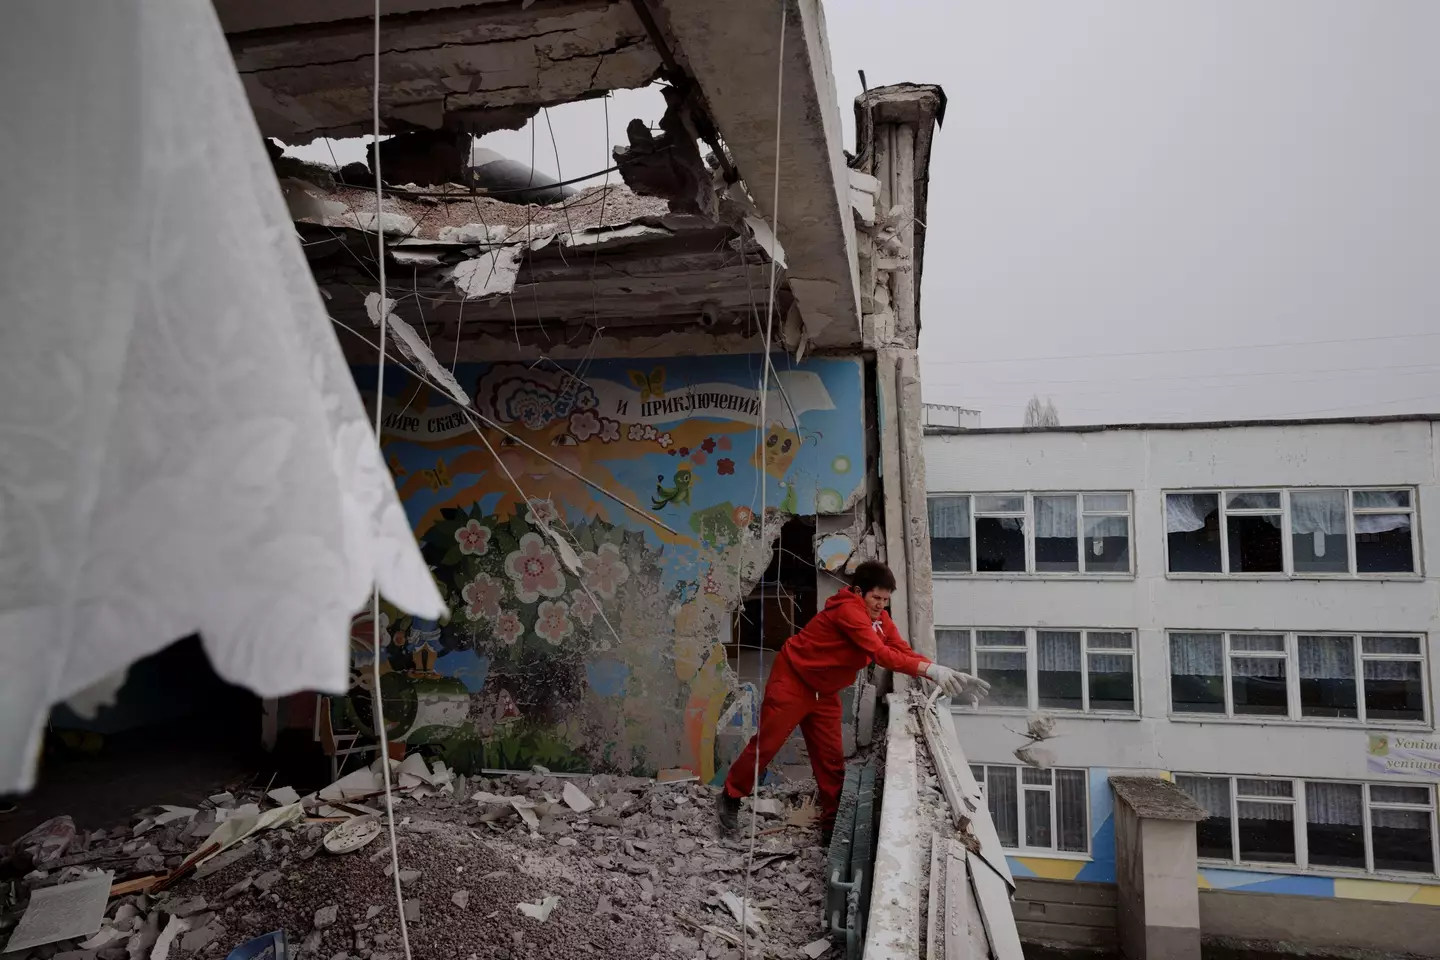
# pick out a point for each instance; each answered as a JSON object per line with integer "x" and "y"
{"x": 1148, "y": 462}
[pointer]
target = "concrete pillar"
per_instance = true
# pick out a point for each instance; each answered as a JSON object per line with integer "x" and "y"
{"x": 1159, "y": 910}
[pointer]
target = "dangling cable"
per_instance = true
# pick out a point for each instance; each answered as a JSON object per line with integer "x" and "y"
{"x": 379, "y": 699}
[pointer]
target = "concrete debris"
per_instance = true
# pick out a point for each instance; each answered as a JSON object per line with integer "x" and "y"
{"x": 325, "y": 917}
{"x": 461, "y": 898}
{"x": 488, "y": 274}
{"x": 1031, "y": 755}
{"x": 224, "y": 799}
{"x": 187, "y": 907}
{"x": 62, "y": 912}
{"x": 816, "y": 949}
{"x": 768, "y": 807}
{"x": 284, "y": 796}
{"x": 392, "y": 224}
{"x": 765, "y": 237}
{"x": 743, "y": 911}
{"x": 372, "y": 912}
{"x": 576, "y": 799}
{"x": 196, "y": 940}
{"x": 418, "y": 352}
{"x": 539, "y": 911}
{"x": 412, "y": 911}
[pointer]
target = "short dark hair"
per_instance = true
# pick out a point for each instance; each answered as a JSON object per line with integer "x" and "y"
{"x": 872, "y": 574}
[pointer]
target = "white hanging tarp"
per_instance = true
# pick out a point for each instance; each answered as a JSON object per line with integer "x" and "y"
{"x": 184, "y": 450}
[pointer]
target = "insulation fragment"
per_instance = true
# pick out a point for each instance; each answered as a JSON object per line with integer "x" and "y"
{"x": 415, "y": 349}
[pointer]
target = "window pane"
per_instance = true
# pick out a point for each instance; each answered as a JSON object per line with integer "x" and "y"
{"x": 1254, "y": 500}
{"x": 1258, "y": 686}
{"x": 1000, "y": 545}
{"x": 1257, "y": 642}
{"x": 1382, "y": 543}
{"x": 1005, "y": 672}
{"x": 1035, "y": 777}
{"x": 1212, "y": 835}
{"x": 1057, "y": 668}
{"x": 1255, "y": 545}
{"x": 1001, "y": 789}
{"x": 1264, "y": 788}
{"x": 1394, "y": 690}
{"x": 1402, "y": 840}
{"x": 1197, "y": 673}
{"x": 1335, "y": 824}
{"x": 1056, "y": 535}
{"x": 1397, "y": 645}
{"x": 1382, "y": 793}
{"x": 1109, "y": 640}
{"x": 1192, "y": 528}
{"x": 977, "y": 770}
{"x": 1000, "y": 638}
{"x": 1037, "y": 819}
{"x": 1107, "y": 544}
{"x": 1000, "y": 504}
{"x": 1267, "y": 831}
{"x": 1319, "y": 537}
{"x": 1112, "y": 681}
{"x": 952, "y": 648}
{"x": 1071, "y": 812}
{"x": 1107, "y": 502}
{"x": 949, "y": 534}
{"x": 1380, "y": 499}
{"x": 1327, "y": 677}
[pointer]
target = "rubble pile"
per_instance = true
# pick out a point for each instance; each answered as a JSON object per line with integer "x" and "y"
{"x": 516, "y": 866}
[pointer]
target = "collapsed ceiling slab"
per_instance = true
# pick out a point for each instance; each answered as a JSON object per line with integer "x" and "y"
{"x": 477, "y": 67}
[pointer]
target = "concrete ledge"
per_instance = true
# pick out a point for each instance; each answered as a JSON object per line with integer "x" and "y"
{"x": 1318, "y": 926}
{"x": 893, "y": 930}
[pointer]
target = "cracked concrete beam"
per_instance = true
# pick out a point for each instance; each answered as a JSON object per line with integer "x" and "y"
{"x": 490, "y": 63}
{"x": 733, "y": 51}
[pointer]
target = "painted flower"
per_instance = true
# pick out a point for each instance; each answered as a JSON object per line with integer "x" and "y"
{"x": 509, "y": 628}
{"x": 698, "y": 458}
{"x": 534, "y": 569}
{"x": 609, "y": 431}
{"x": 604, "y": 570}
{"x": 725, "y": 467}
{"x": 742, "y": 516}
{"x": 582, "y": 606}
{"x": 474, "y": 538}
{"x": 649, "y": 432}
{"x": 584, "y": 425}
{"x": 712, "y": 586}
{"x": 665, "y": 441}
{"x": 552, "y": 621}
{"x": 636, "y": 431}
{"x": 724, "y": 443}
{"x": 482, "y": 597}
{"x": 540, "y": 511}
{"x": 684, "y": 451}
{"x": 708, "y": 444}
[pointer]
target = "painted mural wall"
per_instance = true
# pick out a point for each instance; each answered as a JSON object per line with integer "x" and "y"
{"x": 591, "y": 528}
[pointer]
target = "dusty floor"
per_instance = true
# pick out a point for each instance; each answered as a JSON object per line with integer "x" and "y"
{"x": 640, "y": 875}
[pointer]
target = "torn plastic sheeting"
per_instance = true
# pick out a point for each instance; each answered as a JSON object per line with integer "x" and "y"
{"x": 595, "y": 235}
{"x": 235, "y": 829}
{"x": 415, "y": 349}
{"x": 63, "y": 912}
{"x": 490, "y": 273}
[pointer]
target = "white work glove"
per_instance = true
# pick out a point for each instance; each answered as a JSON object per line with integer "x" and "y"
{"x": 957, "y": 685}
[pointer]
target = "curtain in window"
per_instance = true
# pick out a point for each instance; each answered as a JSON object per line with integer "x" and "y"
{"x": 1074, "y": 832}
{"x": 1334, "y": 803}
{"x": 1058, "y": 650}
{"x": 1185, "y": 512}
{"x": 1264, "y": 667}
{"x": 949, "y": 517}
{"x": 1391, "y": 669}
{"x": 1101, "y": 527}
{"x": 1196, "y": 655}
{"x": 1055, "y": 517}
{"x": 1381, "y": 522}
{"x": 1111, "y": 663}
{"x": 1002, "y": 791}
{"x": 1212, "y": 793}
{"x": 1321, "y": 512}
{"x": 1327, "y": 658}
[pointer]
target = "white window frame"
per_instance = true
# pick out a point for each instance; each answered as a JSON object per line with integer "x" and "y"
{"x": 1029, "y": 520}
{"x": 1300, "y": 822}
{"x": 1288, "y": 571}
{"x": 980, "y": 770}
{"x": 1032, "y": 669}
{"x": 1294, "y": 709}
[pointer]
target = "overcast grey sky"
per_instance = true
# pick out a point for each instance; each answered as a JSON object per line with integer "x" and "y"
{"x": 1154, "y": 209}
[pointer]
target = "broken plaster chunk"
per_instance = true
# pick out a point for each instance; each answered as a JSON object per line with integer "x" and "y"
{"x": 816, "y": 949}
{"x": 416, "y": 351}
{"x": 392, "y": 224}
{"x": 325, "y": 917}
{"x": 576, "y": 799}
{"x": 461, "y": 898}
{"x": 539, "y": 911}
{"x": 188, "y": 907}
{"x": 197, "y": 940}
{"x": 412, "y": 911}
{"x": 491, "y": 273}
{"x": 768, "y": 807}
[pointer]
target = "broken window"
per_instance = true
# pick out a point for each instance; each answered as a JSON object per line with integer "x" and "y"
{"x": 779, "y": 606}
{"x": 1332, "y": 532}
{"x": 1022, "y": 533}
{"x": 1048, "y": 809}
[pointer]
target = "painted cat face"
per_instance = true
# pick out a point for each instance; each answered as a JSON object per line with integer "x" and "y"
{"x": 780, "y": 445}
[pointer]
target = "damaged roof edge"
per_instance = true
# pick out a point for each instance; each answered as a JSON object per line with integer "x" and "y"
{"x": 923, "y": 106}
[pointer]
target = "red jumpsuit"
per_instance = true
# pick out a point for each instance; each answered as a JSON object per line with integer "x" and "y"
{"x": 803, "y": 690}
